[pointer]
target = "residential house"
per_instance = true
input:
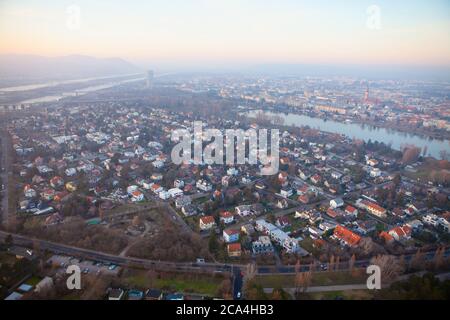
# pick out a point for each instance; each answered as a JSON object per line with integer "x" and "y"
{"x": 175, "y": 192}
{"x": 189, "y": 210}
{"x": 244, "y": 210}
{"x": 262, "y": 246}
{"x": 182, "y": 201}
{"x": 346, "y": 236}
{"x": 248, "y": 229}
{"x": 282, "y": 222}
{"x": 234, "y": 249}
{"x": 203, "y": 185}
{"x": 207, "y": 222}
{"x": 336, "y": 203}
{"x": 226, "y": 217}
{"x": 351, "y": 211}
{"x": 282, "y": 203}
{"x": 286, "y": 192}
{"x": 137, "y": 196}
{"x": 401, "y": 233}
{"x": 230, "y": 235}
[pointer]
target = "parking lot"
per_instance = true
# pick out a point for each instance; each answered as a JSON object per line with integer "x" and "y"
{"x": 86, "y": 266}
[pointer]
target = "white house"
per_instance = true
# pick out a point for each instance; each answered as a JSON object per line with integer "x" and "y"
{"x": 158, "y": 164}
{"x": 203, "y": 185}
{"x": 286, "y": 192}
{"x": 131, "y": 189}
{"x": 70, "y": 172}
{"x": 336, "y": 203}
{"x": 164, "y": 195}
{"x": 207, "y": 222}
{"x": 226, "y": 217}
{"x": 375, "y": 172}
{"x": 137, "y": 196}
{"x": 243, "y": 210}
{"x": 232, "y": 171}
{"x": 178, "y": 183}
{"x": 175, "y": 192}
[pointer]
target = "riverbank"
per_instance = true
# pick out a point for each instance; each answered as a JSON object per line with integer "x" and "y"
{"x": 396, "y": 139}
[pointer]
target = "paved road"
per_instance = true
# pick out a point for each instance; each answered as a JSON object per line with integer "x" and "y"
{"x": 178, "y": 266}
{"x": 237, "y": 283}
{"x": 325, "y": 288}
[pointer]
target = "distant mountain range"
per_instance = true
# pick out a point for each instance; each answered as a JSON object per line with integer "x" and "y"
{"x": 64, "y": 67}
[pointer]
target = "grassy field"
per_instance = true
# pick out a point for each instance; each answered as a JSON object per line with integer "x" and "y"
{"x": 318, "y": 279}
{"x": 32, "y": 281}
{"x": 334, "y": 295}
{"x": 201, "y": 284}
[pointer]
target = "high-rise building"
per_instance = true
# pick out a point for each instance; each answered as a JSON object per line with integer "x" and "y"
{"x": 149, "y": 79}
{"x": 366, "y": 95}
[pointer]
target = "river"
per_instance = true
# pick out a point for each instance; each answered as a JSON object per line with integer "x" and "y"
{"x": 363, "y": 131}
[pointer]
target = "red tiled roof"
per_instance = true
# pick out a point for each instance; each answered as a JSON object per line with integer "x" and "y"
{"x": 234, "y": 247}
{"x": 207, "y": 219}
{"x": 303, "y": 198}
{"x": 346, "y": 235}
{"x": 374, "y": 206}
{"x": 386, "y": 236}
{"x": 332, "y": 213}
{"x": 226, "y": 214}
{"x": 230, "y": 231}
{"x": 350, "y": 209}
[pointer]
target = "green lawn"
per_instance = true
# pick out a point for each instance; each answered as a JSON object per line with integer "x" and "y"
{"x": 34, "y": 280}
{"x": 318, "y": 279}
{"x": 333, "y": 295}
{"x": 203, "y": 285}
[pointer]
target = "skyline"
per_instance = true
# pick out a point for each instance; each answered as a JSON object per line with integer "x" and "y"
{"x": 229, "y": 33}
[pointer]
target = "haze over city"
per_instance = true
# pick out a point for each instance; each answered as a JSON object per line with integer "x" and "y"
{"x": 225, "y": 151}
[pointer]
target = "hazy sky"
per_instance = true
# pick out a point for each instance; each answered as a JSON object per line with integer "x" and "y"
{"x": 232, "y": 31}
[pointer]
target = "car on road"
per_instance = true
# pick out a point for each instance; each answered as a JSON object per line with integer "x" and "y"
{"x": 112, "y": 267}
{"x": 238, "y": 295}
{"x": 86, "y": 270}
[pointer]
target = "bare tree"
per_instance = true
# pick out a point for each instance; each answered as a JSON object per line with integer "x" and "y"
{"x": 418, "y": 260}
{"x": 351, "y": 263}
{"x": 389, "y": 266}
{"x": 302, "y": 281}
{"x": 439, "y": 257}
{"x": 250, "y": 271}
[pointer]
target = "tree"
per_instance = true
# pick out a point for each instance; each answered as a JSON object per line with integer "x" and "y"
{"x": 389, "y": 266}
{"x": 250, "y": 271}
{"x": 254, "y": 291}
{"x": 279, "y": 294}
{"x": 418, "y": 260}
{"x": 439, "y": 257}
{"x": 302, "y": 281}
{"x": 351, "y": 263}
{"x": 397, "y": 179}
{"x": 224, "y": 289}
{"x": 331, "y": 263}
{"x": 410, "y": 154}
{"x": 213, "y": 243}
{"x": 427, "y": 287}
